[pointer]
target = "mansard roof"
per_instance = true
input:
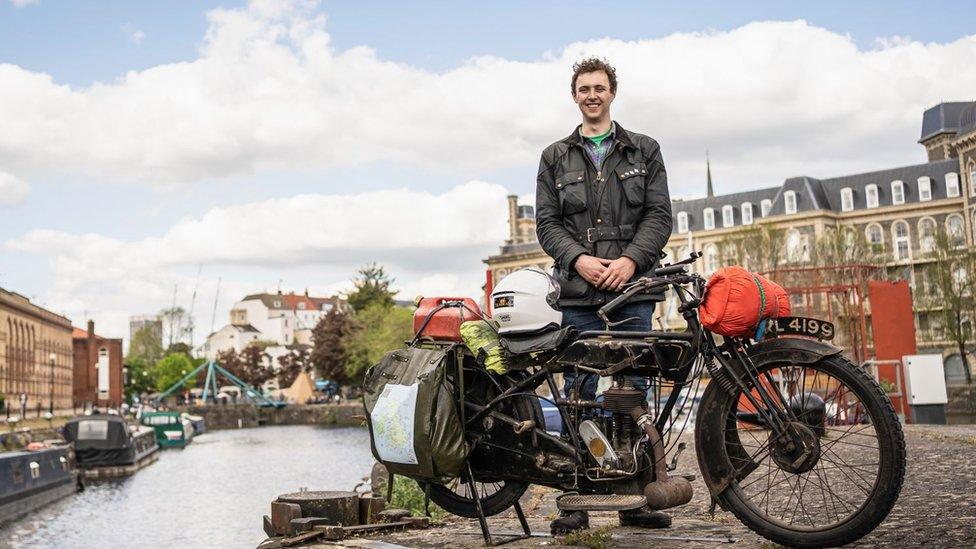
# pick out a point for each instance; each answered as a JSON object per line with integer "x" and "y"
{"x": 944, "y": 118}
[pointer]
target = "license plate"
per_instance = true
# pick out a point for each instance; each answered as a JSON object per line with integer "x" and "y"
{"x": 803, "y": 326}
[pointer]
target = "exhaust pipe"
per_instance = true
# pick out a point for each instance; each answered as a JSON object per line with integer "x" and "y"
{"x": 664, "y": 492}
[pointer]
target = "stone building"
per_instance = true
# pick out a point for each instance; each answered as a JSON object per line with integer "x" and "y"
{"x": 35, "y": 354}
{"x": 896, "y": 210}
{"x": 98, "y": 375}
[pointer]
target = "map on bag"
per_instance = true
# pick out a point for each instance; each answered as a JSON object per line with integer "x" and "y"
{"x": 393, "y": 419}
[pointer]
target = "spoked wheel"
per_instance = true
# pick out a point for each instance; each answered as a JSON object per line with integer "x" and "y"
{"x": 497, "y": 494}
{"x": 839, "y": 473}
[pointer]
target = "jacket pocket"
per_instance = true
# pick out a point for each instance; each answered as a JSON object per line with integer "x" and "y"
{"x": 571, "y": 284}
{"x": 572, "y": 192}
{"x": 632, "y": 178}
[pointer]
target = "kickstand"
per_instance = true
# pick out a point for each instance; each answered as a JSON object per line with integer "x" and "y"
{"x": 483, "y": 520}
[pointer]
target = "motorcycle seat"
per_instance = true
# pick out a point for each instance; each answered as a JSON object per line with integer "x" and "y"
{"x": 535, "y": 343}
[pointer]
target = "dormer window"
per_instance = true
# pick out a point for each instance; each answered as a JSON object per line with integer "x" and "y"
{"x": 276, "y": 304}
{"x": 952, "y": 184}
{"x": 847, "y": 199}
{"x": 727, "y": 217}
{"x": 682, "y": 222}
{"x": 871, "y": 195}
{"x": 301, "y": 305}
{"x": 924, "y": 189}
{"x": 897, "y": 192}
{"x": 789, "y": 202}
{"x": 764, "y": 206}
{"x": 709, "y": 219}
{"x": 746, "y": 213}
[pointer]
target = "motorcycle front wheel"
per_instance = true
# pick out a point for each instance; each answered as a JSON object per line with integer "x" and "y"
{"x": 842, "y": 489}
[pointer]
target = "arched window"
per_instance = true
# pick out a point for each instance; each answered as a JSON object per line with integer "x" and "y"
{"x": 871, "y": 195}
{"x": 789, "y": 202}
{"x": 926, "y": 234}
{"x": 924, "y": 189}
{"x": 708, "y": 217}
{"x": 956, "y": 229}
{"x": 847, "y": 199}
{"x": 897, "y": 192}
{"x": 746, "y": 210}
{"x": 875, "y": 236}
{"x": 972, "y": 180}
{"x": 711, "y": 259}
{"x": 764, "y": 206}
{"x": 797, "y": 246}
{"x": 952, "y": 184}
{"x": 901, "y": 241}
{"x": 682, "y": 222}
{"x": 727, "y": 216}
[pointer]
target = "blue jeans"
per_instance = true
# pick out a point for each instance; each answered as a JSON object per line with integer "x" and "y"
{"x": 584, "y": 318}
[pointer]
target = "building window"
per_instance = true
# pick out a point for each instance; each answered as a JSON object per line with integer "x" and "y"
{"x": 924, "y": 189}
{"x": 797, "y": 248}
{"x": 952, "y": 184}
{"x": 972, "y": 180}
{"x": 746, "y": 213}
{"x": 301, "y": 305}
{"x": 764, "y": 206}
{"x": 789, "y": 202}
{"x": 277, "y": 304}
{"x": 875, "y": 237}
{"x": 897, "y": 192}
{"x": 871, "y": 195}
{"x": 902, "y": 243}
{"x": 709, "y": 219}
{"x": 956, "y": 230}
{"x": 926, "y": 234}
{"x": 727, "y": 219}
{"x": 682, "y": 222}
{"x": 711, "y": 259}
{"x": 846, "y": 199}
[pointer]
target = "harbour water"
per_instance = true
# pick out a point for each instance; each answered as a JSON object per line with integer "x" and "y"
{"x": 211, "y": 494}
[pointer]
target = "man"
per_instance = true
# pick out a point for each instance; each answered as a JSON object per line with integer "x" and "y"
{"x": 603, "y": 213}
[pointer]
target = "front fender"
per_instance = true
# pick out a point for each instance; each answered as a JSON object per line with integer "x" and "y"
{"x": 716, "y": 439}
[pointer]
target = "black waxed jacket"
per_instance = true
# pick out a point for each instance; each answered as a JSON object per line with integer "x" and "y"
{"x": 623, "y": 209}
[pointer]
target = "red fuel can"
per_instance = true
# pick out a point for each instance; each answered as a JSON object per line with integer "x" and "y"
{"x": 444, "y": 323}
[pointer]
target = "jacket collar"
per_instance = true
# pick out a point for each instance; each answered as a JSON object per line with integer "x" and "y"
{"x": 620, "y": 135}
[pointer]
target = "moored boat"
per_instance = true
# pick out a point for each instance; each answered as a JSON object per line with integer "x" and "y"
{"x": 172, "y": 431}
{"x": 106, "y": 446}
{"x": 29, "y": 480}
{"x": 198, "y": 423}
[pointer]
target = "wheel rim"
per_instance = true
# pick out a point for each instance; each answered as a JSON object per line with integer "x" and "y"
{"x": 462, "y": 488}
{"x": 829, "y": 489}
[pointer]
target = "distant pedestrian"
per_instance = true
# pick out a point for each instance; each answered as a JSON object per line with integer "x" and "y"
{"x": 23, "y": 405}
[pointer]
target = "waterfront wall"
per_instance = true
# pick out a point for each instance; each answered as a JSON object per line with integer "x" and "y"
{"x": 962, "y": 404}
{"x": 234, "y": 416}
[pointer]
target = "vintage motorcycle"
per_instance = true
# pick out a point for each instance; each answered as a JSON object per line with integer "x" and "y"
{"x": 797, "y": 442}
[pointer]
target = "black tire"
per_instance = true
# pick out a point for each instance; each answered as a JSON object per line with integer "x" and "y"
{"x": 859, "y": 520}
{"x": 496, "y": 495}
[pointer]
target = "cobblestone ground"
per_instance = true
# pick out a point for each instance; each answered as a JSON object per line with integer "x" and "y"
{"x": 937, "y": 508}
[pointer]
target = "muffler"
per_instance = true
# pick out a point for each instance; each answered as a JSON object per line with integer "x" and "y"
{"x": 664, "y": 492}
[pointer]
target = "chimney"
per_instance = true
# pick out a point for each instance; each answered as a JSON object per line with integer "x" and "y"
{"x": 91, "y": 372}
{"x": 91, "y": 329}
{"x": 306, "y": 292}
{"x": 512, "y": 217}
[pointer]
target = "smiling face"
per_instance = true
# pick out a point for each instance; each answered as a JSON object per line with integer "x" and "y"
{"x": 593, "y": 95}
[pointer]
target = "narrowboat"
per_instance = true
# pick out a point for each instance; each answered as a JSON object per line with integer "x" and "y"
{"x": 106, "y": 446}
{"x": 32, "y": 479}
{"x": 172, "y": 431}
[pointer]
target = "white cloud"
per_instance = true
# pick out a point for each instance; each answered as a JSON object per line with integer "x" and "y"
{"x": 13, "y": 190}
{"x": 268, "y": 91}
{"x": 22, "y": 3}
{"x": 431, "y": 243}
{"x": 133, "y": 34}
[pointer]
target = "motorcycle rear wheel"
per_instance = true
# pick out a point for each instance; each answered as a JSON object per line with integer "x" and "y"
{"x": 851, "y": 486}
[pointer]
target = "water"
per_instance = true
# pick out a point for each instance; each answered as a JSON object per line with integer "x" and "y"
{"x": 211, "y": 494}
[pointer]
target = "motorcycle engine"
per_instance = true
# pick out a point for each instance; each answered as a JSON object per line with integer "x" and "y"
{"x": 619, "y": 400}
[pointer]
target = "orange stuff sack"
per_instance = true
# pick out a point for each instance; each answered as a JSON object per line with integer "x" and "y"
{"x": 732, "y": 302}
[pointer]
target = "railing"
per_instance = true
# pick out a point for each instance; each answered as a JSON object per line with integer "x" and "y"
{"x": 897, "y": 396}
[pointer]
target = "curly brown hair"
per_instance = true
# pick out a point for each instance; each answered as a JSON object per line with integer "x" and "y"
{"x": 594, "y": 64}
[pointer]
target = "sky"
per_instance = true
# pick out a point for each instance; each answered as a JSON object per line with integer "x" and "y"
{"x": 150, "y": 151}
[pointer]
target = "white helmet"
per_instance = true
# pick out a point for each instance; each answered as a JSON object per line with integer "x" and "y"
{"x": 525, "y": 302}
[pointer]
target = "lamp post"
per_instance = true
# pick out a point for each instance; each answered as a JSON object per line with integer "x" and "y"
{"x": 50, "y": 403}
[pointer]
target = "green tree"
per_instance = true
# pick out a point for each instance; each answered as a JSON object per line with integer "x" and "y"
{"x": 141, "y": 377}
{"x": 171, "y": 369}
{"x": 952, "y": 272}
{"x": 379, "y": 329}
{"x": 252, "y": 365}
{"x": 372, "y": 287}
{"x": 145, "y": 346}
{"x": 294, "y": 362}
{"x": 329, "y": 340}
{"x": 177, "y": 324}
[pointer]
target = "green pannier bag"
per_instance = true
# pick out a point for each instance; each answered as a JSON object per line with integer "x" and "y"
{"x": 414, "y": 426}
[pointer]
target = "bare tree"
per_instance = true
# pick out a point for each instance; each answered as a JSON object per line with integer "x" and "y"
{"x": 952, "y": 274}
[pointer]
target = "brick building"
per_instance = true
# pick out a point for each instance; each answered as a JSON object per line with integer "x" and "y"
{"x": 35, "y": 354}
{"x": 896, "y": 211}
{"x": 97, "y": 369}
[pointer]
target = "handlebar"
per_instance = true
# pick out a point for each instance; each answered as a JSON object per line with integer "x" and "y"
{"x": 646, "y": 283}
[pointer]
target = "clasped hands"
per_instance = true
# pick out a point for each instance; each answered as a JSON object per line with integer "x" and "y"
{"x": 605, "y": 274}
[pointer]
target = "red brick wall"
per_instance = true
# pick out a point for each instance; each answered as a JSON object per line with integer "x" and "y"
{"x": 86, "y": 374}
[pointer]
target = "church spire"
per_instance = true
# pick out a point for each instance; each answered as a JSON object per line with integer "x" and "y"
{"x": 708, "y": 167}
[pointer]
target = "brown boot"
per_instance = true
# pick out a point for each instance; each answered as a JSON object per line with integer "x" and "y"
{"x": 645, "y": 518}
